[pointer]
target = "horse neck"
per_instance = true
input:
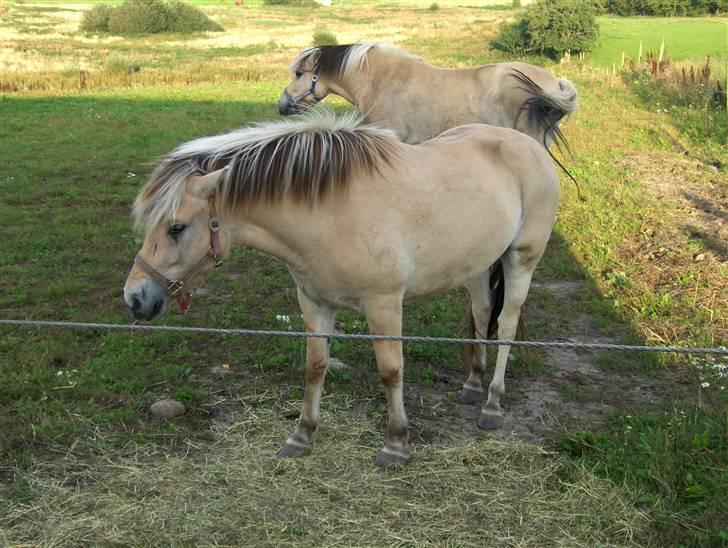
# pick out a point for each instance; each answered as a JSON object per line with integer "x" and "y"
{"x": 361, "y": 88}
{"x": 271, "y": 228}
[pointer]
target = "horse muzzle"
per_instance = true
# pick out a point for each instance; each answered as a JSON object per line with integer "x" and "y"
{"x": 286, "y": 107}
{"x": 145, "y": 301}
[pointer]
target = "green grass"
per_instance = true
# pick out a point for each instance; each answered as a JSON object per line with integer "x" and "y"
{"x": 673, "y": 462}
{"x": 686, "y": 38}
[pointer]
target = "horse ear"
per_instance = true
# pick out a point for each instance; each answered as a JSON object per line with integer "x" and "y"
{"x": 314, "y": 57}
{"x": 203, "y": 186}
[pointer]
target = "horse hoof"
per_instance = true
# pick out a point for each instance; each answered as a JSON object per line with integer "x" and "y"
{"x": 470, "y": 397}
{"x": 385, "y": 460}
{"x": 491, "y": 422}
{"x": 290, "y": 451}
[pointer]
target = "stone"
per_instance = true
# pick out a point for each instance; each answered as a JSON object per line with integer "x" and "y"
{"x": 167, "y": 409}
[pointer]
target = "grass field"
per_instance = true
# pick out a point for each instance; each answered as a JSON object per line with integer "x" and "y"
{"x": 627, "y": 449}
{"x": 685, "y": 38}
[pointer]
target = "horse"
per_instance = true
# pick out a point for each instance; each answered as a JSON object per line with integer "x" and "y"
{"x": 393, "y": 88}
{"x": 362, "y": 221}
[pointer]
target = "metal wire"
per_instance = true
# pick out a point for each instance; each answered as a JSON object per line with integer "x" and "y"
{"x": 362, "y": 337}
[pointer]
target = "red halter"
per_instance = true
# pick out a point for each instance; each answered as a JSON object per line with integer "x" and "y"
{"x": 176, "y": 288}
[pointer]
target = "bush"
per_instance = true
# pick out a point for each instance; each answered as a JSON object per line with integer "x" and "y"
{"x": 551, "y": 27}
{"x": 187, "y": 18}
{"x": 147, "y": 17}
{"x": 434, "y": 6}
{"x": 323, "y": 37}
{"x": 97, "y": 19}
{"x": 140, "y": 17}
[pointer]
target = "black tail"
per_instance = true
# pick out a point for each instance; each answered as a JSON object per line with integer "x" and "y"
{"x": 497, "y": 294}
{"x": 545, "y": 110}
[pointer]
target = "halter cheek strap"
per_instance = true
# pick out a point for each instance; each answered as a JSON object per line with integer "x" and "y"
{"x": 310, "y": 91}
{"x": 176, "y": 288}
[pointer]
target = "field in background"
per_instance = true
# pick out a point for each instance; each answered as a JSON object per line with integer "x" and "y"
{"x": 641, "y": 260}
{"x": 686, "y": 38}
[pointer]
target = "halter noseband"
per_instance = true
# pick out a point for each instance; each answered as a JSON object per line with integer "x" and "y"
{"x": 176, "y": 288}
{"x": 310, "y": 91}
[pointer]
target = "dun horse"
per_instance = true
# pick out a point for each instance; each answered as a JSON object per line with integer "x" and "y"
{"x": 418, "y": 101}
{"x": 363, "y": 221}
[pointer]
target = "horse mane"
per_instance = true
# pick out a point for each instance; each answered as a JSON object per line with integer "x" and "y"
{"x": 304, "y": 159}
{"x": 343, "y": 60}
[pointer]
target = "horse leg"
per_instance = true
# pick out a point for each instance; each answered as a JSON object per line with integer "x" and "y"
{"x": 518, "y": 266}
{"x": 384, "y": 316}
{"x": 317, "y": 318}
{"x": 474, "y": 354}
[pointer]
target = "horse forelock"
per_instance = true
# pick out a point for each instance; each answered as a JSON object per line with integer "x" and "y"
{"x": 305, "y": 159}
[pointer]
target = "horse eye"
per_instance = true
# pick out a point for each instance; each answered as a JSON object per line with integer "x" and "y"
{"x": 175, "y": 230}
{"x": 299, "y": 74}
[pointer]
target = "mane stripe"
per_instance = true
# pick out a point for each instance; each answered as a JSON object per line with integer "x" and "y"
{"x": 305, "y": 160}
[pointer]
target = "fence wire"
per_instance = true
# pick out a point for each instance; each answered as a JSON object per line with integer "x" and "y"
{"x": 362, "y": 337}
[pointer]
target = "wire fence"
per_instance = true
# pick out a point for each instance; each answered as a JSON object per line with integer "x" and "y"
{"x": 362, "y": 337}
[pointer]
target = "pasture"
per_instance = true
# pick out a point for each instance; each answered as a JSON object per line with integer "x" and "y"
{"x": 685, "y": 38}
{"x": 599, "y": 448}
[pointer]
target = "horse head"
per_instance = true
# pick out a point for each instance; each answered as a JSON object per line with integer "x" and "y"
{"x": 181, "y": 246}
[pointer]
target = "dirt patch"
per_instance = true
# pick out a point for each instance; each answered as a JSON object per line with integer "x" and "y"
{"x": 698, "y": 192}
{"x": 572, "y": 392}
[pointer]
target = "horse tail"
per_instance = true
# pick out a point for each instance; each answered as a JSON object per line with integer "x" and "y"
{"x": 545, "y": 110}
{"x": 497, "y": 294}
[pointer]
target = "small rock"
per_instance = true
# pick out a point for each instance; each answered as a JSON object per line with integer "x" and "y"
{"x": 225, "y": 369}
{"x": 714, "y": 169}
{"x": 167, "y": 409}
{"x": 699, "y": 257}
{"x": 335, "y": 363}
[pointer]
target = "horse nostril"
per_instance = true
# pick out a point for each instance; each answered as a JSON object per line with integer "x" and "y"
{"x": 136, "y": 304}
{"x": 157, "y": 307}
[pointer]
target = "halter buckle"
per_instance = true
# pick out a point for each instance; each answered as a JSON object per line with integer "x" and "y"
{"x": 214, "y": 224}
{"x": 174, "y": 287}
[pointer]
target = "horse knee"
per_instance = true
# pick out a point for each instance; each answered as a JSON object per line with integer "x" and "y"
{"x": 315, "y": 370}
{"x": 390, "y": 376}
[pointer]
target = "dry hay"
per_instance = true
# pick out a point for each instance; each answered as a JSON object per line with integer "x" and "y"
{"x": 235, "y": 491}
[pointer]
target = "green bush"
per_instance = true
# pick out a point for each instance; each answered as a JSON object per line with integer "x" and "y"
{"x": 140, "y": 17}
{"x": 323, "y": 37}
{"x": 97, "y": 19}
{"x": 551, "y": 27}
{"x": 512, "y": 37}
{"x": 147, "y": 17}
{"x": 187, "y": 18}
{"x": 434, "y": 6}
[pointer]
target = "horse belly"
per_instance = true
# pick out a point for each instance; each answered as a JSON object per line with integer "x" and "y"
{"x": 460, "y": 252}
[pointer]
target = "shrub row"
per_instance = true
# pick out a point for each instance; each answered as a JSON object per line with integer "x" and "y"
{"x": 665, "y": 7}
{"x": 147, "y": 17}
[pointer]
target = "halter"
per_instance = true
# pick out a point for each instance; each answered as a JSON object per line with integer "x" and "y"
{"x": 175, "y": 288}
{"x": 310, "y": 91}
